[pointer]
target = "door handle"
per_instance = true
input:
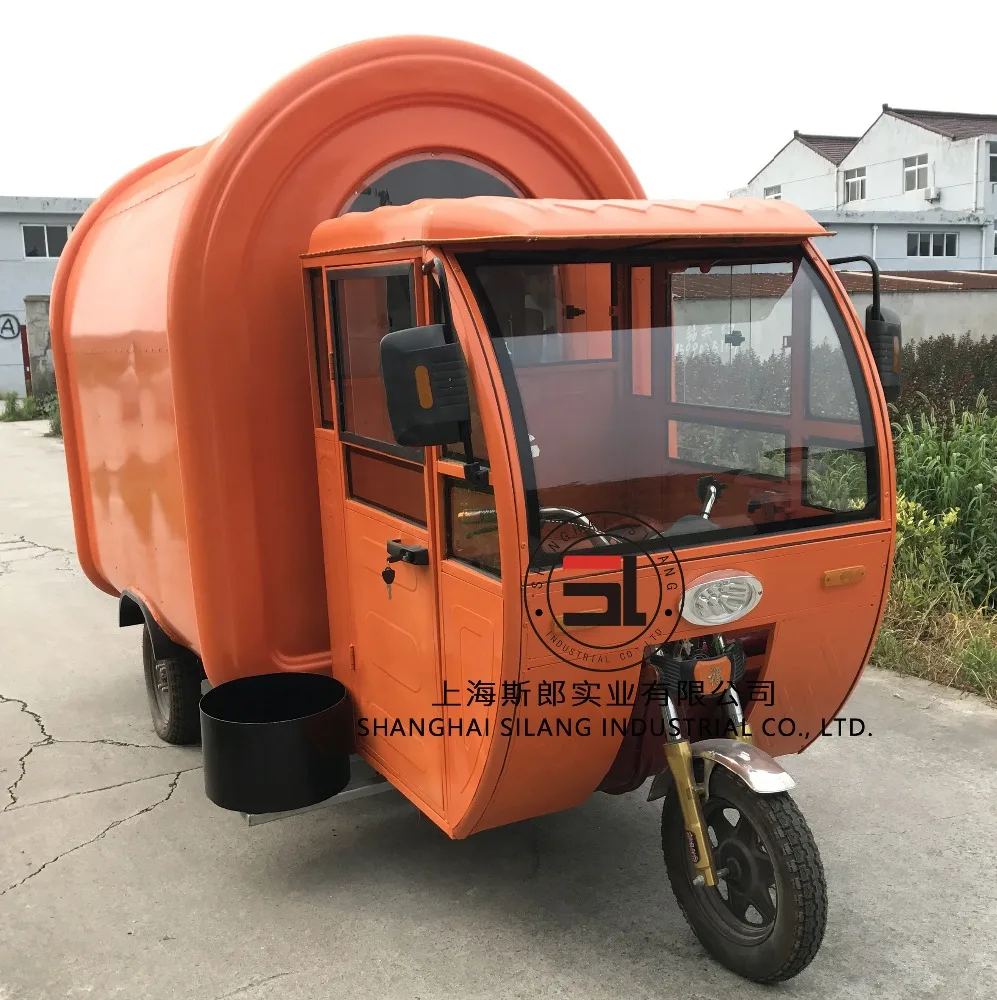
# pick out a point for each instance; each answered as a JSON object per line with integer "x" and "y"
{"x": 414, "y": 555}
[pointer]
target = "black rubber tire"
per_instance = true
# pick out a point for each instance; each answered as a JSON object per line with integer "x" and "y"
{"x": 801, "y": 911}
{"x": 180, "y": 722}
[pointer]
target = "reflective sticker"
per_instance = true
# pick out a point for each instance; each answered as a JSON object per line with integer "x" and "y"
{"x": 423, "y": 387}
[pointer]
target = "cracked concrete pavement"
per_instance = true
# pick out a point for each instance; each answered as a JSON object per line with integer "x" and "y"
{"x": 119, "y": 879}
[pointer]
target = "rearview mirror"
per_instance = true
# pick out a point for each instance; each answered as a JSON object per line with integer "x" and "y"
{"x": 425, "y": 383}
{"x": 883, "y": 333}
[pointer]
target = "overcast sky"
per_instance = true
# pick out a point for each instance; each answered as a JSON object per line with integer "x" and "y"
{"x": 699, "y": 95}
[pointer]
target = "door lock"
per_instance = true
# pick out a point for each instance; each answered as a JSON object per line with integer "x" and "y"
{"x": 414, "y": 555}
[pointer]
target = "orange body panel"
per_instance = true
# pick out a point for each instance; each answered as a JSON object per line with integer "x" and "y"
{"x": 176, "y": 327}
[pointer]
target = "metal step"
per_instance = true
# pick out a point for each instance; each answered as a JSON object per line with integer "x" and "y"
{"x": 364, "y": 781}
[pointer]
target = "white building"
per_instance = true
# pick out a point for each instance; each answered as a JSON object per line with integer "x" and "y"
{"x": 33, "y": 232}
{"x": 917, "y": 191}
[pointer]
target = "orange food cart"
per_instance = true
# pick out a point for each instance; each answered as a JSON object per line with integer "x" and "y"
{"x": 414, "y": 434}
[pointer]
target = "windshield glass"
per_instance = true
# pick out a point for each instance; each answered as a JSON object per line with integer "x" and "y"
{"x": 629, "y": 383}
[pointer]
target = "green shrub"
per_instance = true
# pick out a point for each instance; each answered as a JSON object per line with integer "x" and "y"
{"x": 949, "y": 464}
{"x": 11, "y": 411}
{"x": 29, "y": 409}
{"x": 54, "y": 418}
{"x": 940, "y": 621}
{"x": 943, "y": 371}
{"x": 48, "y": 402}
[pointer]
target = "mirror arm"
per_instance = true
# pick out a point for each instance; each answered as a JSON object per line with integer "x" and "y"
{"x": 474, "y": 472}
{"x": 874, "y": 267}
{"x": 441, "y": 276}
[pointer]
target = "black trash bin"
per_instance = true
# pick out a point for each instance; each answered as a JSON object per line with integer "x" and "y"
{"x": 276, "y": 742}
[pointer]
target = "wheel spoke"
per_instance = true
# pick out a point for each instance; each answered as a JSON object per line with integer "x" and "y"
{"x": 737, "y": 902}
{"x": 762, "y": 902}
{"x": 723, "y": 827}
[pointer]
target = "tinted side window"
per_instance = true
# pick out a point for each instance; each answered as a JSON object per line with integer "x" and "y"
{"x": 366, "y": 306}
{"x": 388, "y": 483}
{"x": 432, "y": 177}
{"x": 732, "y": 335}
{"x": 472, "y": 527}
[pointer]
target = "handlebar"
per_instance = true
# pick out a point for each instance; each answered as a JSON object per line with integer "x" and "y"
{"x": 489, "y": 516}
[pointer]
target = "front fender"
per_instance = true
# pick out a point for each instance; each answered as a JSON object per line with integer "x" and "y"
{"x": 761, "y": 772}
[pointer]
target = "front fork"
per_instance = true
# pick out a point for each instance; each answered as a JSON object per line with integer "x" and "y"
{"x": 678, "y": 754}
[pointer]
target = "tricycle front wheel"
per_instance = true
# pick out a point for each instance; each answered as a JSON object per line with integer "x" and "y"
{"x": 766, "y": 916}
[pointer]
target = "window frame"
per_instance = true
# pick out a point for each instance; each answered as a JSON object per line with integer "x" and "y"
{"x": 612, "y": 331}
{"x": 857, "y": 177}
{"x": 793, "y": 261}
{"x": 317, "y": 299}
{"x": 735, "y": 425}
{"x": 912, "y": 166}
{"x": 449, "y": 483}
{"x": 992, "y": 155}
{"x": 45, "y": 226}
{"x": 772, "y": 193}
{"x": 333, "y": 275}
{"x": 367, "y": 453}
{"x": 695, "y": 413}
{"x": 835, "y": 444}
{"x": 929, "y": 235}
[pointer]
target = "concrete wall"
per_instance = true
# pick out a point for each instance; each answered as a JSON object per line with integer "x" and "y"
{"x": 806, "y": 178}
{"x": 21, "y": 276}
{"x": 934, "y": 314}
{"x": 891, "y": 244}
{"x": 39, "y": 344}
{"x": 703, "y": 323}
{"x": 987, "y": 189}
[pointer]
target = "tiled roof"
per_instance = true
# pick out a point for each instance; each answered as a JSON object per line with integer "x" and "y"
{"x": 832, "y": 147}
{"x": 767, "y": 284}
{"x": 923, "y": 281}
{"x": 947, "y": 123}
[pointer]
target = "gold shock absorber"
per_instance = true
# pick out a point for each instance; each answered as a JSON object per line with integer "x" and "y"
{"x": 678, "y": 755}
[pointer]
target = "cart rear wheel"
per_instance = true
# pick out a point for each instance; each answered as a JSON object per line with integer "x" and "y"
{"x": 174, "y": 690}
{"x": 765, "y": 918}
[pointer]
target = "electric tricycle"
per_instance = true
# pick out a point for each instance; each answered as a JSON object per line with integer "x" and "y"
{"x": 549, "y": 489}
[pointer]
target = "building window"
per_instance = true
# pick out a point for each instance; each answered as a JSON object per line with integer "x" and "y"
{"x": 916, "y": 172}
{"x": 855, "y": 184}
{"x": 45, "y": 241}
{"x": 993, "y": 161}
{"x": 932, "y": 244}
{"x": 774, "y": 192}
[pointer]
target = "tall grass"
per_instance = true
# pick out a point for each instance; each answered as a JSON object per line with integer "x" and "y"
{"x": 940, "y": 621}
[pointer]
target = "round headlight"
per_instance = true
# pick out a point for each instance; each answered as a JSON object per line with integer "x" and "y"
{"x": 721, "y": 597}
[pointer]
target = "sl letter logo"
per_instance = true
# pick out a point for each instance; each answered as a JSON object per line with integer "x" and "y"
{"x": 621, "y": 600}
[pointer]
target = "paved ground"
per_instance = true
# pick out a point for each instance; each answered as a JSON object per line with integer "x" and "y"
{"x": 119, "y": 879}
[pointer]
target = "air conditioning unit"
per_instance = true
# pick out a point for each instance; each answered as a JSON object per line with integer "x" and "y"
{"x": 932, "y": 194}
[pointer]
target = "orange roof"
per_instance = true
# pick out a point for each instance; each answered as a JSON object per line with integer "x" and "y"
{"x": 491, "y": 219}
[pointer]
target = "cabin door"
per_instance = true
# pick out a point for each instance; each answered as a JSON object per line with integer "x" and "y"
{"x": 384, "y": 503}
